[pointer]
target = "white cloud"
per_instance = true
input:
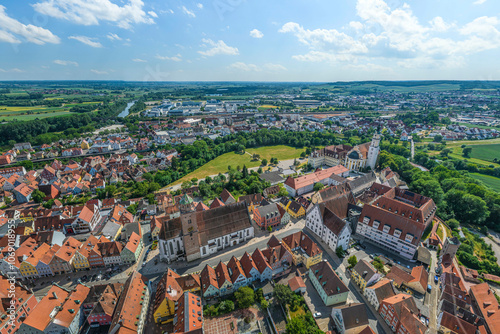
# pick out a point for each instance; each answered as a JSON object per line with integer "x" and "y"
{"x": 114, "y": 37}
{"x": 218, "y": 48}
{"x": 139, "y": 60}
{"x": 86, "y": 40}
{"x": 275, "y": 67}
{"x": 199, "y": 5}
{"x": 188, "y": 12}
{"x": 92, "y": 12}
{"x": 325, "y": 40}
{"x": 99, "y": 72}
{"x": 168, "y": 11}
{"x": 240, "y": 66}
{"x": 65, "y": 62}
{"x": 256, "y": 33}
{"x": 152, "y": 14}
{"x": 395, "y": 34}
{"x": 479, "y": 2}
{"x": 439, "y": 25}
{"x": 12, "y": 70}
{"x": 11, "y": 30}
{"x": 177, "y": 57}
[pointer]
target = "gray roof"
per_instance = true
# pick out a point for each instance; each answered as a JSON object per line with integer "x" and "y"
{"x": 363, "y": 267}
{"x": 424, "y": 255}
{"x": 354, "y": 315}
{"x": 272, "y": 177}
{"x": 128, "y": 229}
{"x": 361, "y": 183}
{"x": 110, "y": 229}
{"x": 270, "y": 210}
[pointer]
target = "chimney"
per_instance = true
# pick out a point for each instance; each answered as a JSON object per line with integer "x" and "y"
{"x": 54, "y": 294}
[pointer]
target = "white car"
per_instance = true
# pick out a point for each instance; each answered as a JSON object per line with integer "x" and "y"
{"x": 317, "y": 314}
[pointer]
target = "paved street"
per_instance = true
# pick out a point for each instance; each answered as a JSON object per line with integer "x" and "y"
{"x": 375, "y": 321}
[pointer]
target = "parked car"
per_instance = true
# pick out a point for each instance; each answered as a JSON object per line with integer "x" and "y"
{"x": 317, "y": 314}
{"x": 436, "y": 278}
{"x": 429, "y": 288}
{"x": 357, "y": 247}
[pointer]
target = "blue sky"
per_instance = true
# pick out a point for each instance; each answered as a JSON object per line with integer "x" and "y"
{"x": 243, "y": 40}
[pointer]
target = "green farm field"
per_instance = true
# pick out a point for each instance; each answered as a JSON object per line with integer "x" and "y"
{"x": 486, "y": 152}
{"x": 490, "y": 181}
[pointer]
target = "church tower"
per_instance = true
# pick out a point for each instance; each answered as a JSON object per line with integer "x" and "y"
{"x": 373, "y": 151}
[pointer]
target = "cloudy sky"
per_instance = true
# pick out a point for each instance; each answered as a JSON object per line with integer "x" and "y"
{"x": 243, "y": 40}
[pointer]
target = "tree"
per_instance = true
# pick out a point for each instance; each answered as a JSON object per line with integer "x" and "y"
{"x": 186, "y": 185}
{"x": 27, "y": 164}
{"x": 328, "y": 123}
{"x": 466, "y": 152}
{"x": 264, "y": 162}
{"x": 352, "y": 261}
{"x": 259, "y": 170}
{"x": 283, "y": 192}
{"x": 245, "y": 297}
{"x": 264, "y": 304}
{"x": 269, "y": 229}
{"x": 255, "y": 156}
{"x": 303, "y": 324}
{"x": 438, "y": 138}
{"x": 303, "y": 154}
{"x": 38, "y": 196}
{"x": 318, "y": 186}
{"x": 283, "y": 294}
{"x": 339, "y": 251}
{"x": 245, "y": 171}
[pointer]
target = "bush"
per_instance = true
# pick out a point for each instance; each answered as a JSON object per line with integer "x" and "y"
{"x": 245, "y": 297}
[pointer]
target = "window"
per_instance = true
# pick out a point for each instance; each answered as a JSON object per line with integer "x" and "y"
{"x": 376, "y": 224}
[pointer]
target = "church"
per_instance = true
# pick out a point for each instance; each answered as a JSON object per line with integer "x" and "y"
{"x": 353, "y": 158}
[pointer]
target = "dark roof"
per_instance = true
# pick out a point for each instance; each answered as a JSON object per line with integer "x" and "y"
{"x": 272, "y": 177}
{"x": 324, "y": 273}
{"x": 361, "y": 183}
{"x": 354, "y": 315}
{"x": 364, "y": 269}
{"x": 170, "y": 228}
{"x": 294, "y": 207}
{"x": 220, "y": 221}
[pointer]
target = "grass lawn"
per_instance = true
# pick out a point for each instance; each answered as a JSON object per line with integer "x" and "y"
{"x": 281, "y": 152}
{"x": 300, "y": 311}
{"x": 219, "y": 165}
{"x": 440, "y": 232}
{"x": 490, "y": 181}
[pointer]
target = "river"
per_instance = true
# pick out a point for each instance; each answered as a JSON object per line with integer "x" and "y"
{"x": 125, "y": 112}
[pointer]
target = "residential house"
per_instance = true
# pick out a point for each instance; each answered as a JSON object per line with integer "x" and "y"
{"x": 111, "y": 253}
{"x": 267, "y": 216}
{"x": 99, "y": 306}
{"x": 132, "y": 250}
{"x": 170, "y": 289}
{"x": 189, "y": 314}
{"x": 304, "y": 250}
{"x": 223, "y": 279}
{"x": 486, "y": 305}
{"x": 209, "y": 283}
{"x": 350, "y": 318}
{"x": 17, "y": 303}
{"x": 132, "y": 307}
{"x": 262, "y": 265}
{"x": 379, "y": 291}
{"x": 330, "y": 287}
{"x": 395, "y": 308}
{"x": 364, "y": 274}
{"x": 250, "y": 268}
{"x": 305, "y": 184}
{"x": 329, "y": 220}
{"x": 237, "y": 274}
{"x": 60, "y": 311}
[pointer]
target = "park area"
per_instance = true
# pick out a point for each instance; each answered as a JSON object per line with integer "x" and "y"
{"x": 220, "y": 164}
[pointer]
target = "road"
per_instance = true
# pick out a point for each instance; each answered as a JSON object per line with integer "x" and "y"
{"x": 374, "y": 319}
{"x": 432, "y": 298}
